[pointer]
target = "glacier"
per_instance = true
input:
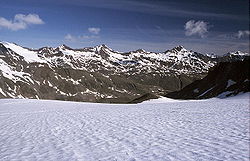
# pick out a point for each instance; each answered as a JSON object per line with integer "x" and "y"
{"x": 158, "y": 130}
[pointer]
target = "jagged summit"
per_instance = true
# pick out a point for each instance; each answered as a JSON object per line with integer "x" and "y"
{"x": 104, "y": 46}
{"x": 177, "y": 49}
{"x": 139, "y": 51}
{"x": 63, "y": 46}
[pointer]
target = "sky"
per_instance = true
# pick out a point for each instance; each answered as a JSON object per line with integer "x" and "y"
{"x": 205, "y": 26}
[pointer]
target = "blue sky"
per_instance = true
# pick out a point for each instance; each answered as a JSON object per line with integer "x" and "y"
{"x": 206, "y": 26}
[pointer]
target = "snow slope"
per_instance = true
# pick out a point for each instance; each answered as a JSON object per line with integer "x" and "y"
{"x": 28, "y": 55}
{"x": 164, "y": 129}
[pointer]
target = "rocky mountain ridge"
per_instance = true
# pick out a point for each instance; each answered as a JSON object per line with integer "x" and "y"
{"x": 96, "y": 74}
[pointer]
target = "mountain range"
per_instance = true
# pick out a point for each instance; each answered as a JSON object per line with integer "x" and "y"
{"x": 100, "y": 74}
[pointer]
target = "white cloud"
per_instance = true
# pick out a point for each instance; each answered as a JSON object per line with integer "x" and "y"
{"x": 29, "y": 19}
{"x": 12, "y": 25}
{"x": 199, "y": 28}
{"x": 93, "y": 34}
{"x": 94, "y": 30}
{"x": 242, "y": 34}
{"x": 73, "y": 38}
{"x": 88, "y": 37}
{"x": 20, "y": 21}
{"x": 69, "y": 37}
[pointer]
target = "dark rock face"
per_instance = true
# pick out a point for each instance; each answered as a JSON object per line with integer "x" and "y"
{"x": 144, "y": 97}
{"x": 97, "y": 74}
{"x": 225, "y": 79}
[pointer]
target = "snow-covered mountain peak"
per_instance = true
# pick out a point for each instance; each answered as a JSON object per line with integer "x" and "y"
{"x": 64, "y": 47}
{"x": 104, "y": 46}
{"x": 98, "y": 48}
{"x": 178, "y": 49}
{"x": 238, "y": 53}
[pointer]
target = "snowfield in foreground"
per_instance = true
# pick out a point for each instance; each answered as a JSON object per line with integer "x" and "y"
{"x": 163, "y": 129}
